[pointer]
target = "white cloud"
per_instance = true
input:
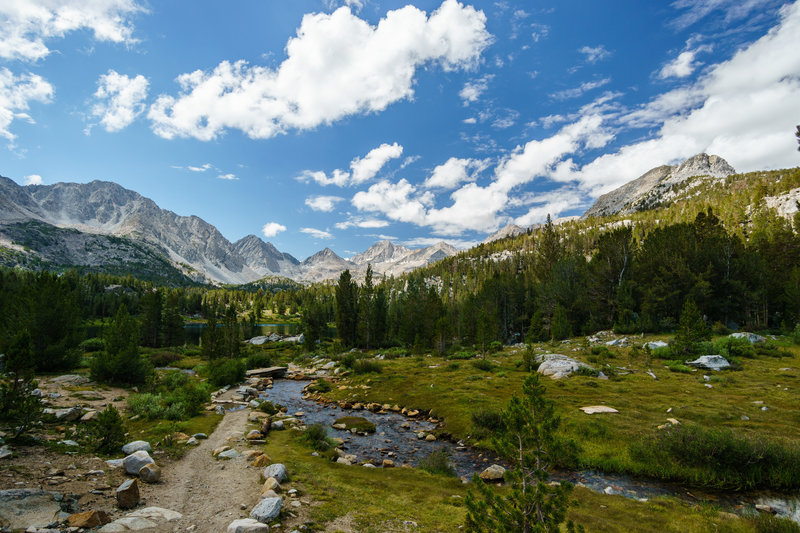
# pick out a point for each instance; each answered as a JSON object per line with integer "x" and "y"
{"x": 398, "y": 201}
{"x": 120, "y": 99}
{"x": 697, "y": 10}
{"x": 470, "y": 120}
{"x": 25, "y": 25}
{"x": 453, "y": 172}
{"x": 680, "y": 67}
{"x": 271, "y": 229}
{"x": 361, "y": 168}
{"x": 539, "y": 32}
{"x": 33, "y": 179}
{"x": 461, "y": 244}
{"x": 16, "y": 94}
{"x": 337, "y": 65}
{"x": 323, "y": 203}
{"x": 594, "y": 53}
{"x": 578, "y": 91}
{"x": 364, "y": 169}
{"x": 201, "y": 168}
{"x": 228, "y": 176}
{"x": 316, "y": 233}
{"x": 743, "y": 109}
{"x": 361, "y": 222}
{"x": 473, "y": 90}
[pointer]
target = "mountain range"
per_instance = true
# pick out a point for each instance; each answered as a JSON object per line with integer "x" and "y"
{"x": 101, "y": 226}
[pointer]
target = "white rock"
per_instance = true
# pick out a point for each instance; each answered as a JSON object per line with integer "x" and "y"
{"x": 596, "y": 409}
{"x": 157, "y": 513}
{"x": 558, "y": 366}
{"x": 277, "y": 470}
{"x": 135, "y": 461}
{"x": 711, "y": 362}
{"x": 228, "y": 454}
{"x": 247, "y": 525}
{"x": 752, "y": 338}
{"x": 135, "y": 446}
{"x": 267, "y": 510}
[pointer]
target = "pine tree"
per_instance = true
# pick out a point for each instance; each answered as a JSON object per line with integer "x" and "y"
{"x": 560, "y": 327}
{"x": 692, "y": 329}
{"x": 530, "y": 444}
{"x": 347, "y": 308}
{"x": 120, "y": 362}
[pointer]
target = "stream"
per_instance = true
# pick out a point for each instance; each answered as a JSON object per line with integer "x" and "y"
{"x": 405, "y": 448}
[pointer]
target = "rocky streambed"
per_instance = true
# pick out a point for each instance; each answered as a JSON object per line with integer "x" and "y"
{"x": 406, "y": 441}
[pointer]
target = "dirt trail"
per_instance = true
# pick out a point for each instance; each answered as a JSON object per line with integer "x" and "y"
{"x": 207, "y": 492}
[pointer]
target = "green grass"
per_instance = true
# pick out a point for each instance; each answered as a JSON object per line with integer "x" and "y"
{"x": 454, "y": 394}
{"x": 155, "y": 431}
{"x": 356, "y": 422}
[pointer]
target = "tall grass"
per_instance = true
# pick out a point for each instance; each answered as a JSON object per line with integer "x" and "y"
{"x": 716, "y": 458}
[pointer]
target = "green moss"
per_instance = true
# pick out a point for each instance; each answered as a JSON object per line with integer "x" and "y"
{"x": 356, "y": 422}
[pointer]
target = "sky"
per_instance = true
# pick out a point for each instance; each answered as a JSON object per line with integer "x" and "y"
{"x": 337, "y": 123}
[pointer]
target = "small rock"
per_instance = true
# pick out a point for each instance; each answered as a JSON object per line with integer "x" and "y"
{"x": 70, "y": 443}
{"x": 271, "y": 484}
{"x": 262, "y": 460}
{"x": 135, "y": 446}
{"x": 744, "y": 417}
{"x": 267, "y": 510}
{"x": 135, "y": 461}
{"x": 200, "y": 436}
{"x": 277, "y": 470}
{"x": 192, "y": 442}
{"x": 247, "y": 525}
{"x": 228, "y": 454}
{"x": 128, "y": 494}
{"x": 387, "y": 463}
{"x": 158, "y": 514}
{"x": 219, "y": 450}
{"x": 88, "y": 519}
{"x": 493, "y": 474}
{"x": 150, "y": 473}
{"x": 430, "y": 438}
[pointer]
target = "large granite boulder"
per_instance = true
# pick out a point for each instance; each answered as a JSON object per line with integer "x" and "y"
{"x": 135, "y": 461}
{"x": 267, "y": 510}
{"x": 710, "y": 362}
{"x": 558, "y": 366}
{"x": 277, "y": 470}
{"x": 23, "y": 508}
{"x": 135, "y": 446}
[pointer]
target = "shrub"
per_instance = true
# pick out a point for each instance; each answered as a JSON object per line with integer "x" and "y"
{"x": 164, "y": 358}
{"x": 462, "y": 355}
{"x": 394, "y": 353}
{"x": 768, "y": 349}
{"x": 438, "y": 462}
{"x": 720, "y": 329}
{"x": 453, "y": 366}
{"x": 495, "y": 346}
{"x": 665, "y": 352}
{"x": 316, "y": 437}
{"x": 586, "y": 371}
{"x": 94, "y": 344}
{"x": 483, "y": 364}
{"x": 796, "y": 334}
{"x": 717, "y": 458}
{"x": 768, "y": 523}
{"x": 105, "y": 434}
{"x": 181, "y": 390}
{"x": 147, "y": 405}
{"x": 320, "y": 386}
{"x": 268, "y": 407}
{"x": 348, "y": 360}
{"x": 365, "y": 366}
{"x": 223, "y": 372}
{"x": 487, "y": 419}
{"x": 676, "y": 365}
{"x": 732, "y": 347}
{"x": 258, "y": 360}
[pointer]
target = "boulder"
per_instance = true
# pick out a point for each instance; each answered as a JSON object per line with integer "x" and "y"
{"x": 254, "y": 434}
{"x": 135, "y": 461}
{"x": 262, "y": 460}
{"x": 28, "y": 507}
{"x": 150, "y": 473}
{"x": 430, "y": 437}
{"x": 68, "y": 415}
{"x": 5, "y": 451}
{"x": 88, "y": 519}
{"x": 387, "y": 463}
{"x": 558, "y": 366}
{"x": 135, "y": 446}
{"x": 128, "y": 494}
{"x": 710, "y": 362}
{"x": 278, "y": 471}
{"x": 267, "y": 510}
{"x": 129, "y": 523}
{"x": 219, "y": 450}
{"x": 200, "y": 436}
{"x": 247, "y": 525}
{"x": 752, "y": 338}
{"x": 70, "y": 379}
{"x": 493, "y": 474}
{"x": 598, "y": 409}
{"x": 89, "y": 416}
{"x": 655, "y": 344}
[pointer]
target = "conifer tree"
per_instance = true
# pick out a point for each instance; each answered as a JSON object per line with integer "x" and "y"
{"x": 530, "y": 443}
{"x": 347, "y": 308}
{"x": 692, "y": 329}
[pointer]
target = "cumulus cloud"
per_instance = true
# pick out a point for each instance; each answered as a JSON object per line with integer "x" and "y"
{"x": 16, "y": 94}
{"x": 680, "y": 67}
{"x": 33, "y": 179}
{"x": 120, "y": 99}
{"x": 201, "y": 168}
{"x": 453, "y": 172}
{"x": 361, "y": 68}
{"x": 228, "y": 176}
{"x": 316, "y": 233}
{"x": 26, "y": 25}
{"x": 362, "y": 169}
{"x": 473, "y": 90}
{"x": 271, "y": 229}
{"x": 399, "y": 201}
{"x": 594, "y": 53}
{"x": 323, "y": 203}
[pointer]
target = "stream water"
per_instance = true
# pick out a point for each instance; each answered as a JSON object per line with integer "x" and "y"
{"x": 406, "y": 448}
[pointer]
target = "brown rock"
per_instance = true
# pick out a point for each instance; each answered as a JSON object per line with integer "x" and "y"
{"x": 88, "y": 519}
{"x": 219, "y": 450}
{"x": 262, "y": 460}
{"x": 128, "y": 494}
{"x": 387, "y": 463}
{"x": 150, "y": 473}
{"x": 270, "y": 484}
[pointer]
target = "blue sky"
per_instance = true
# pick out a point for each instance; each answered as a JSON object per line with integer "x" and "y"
{"x": 340, "y": 122}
